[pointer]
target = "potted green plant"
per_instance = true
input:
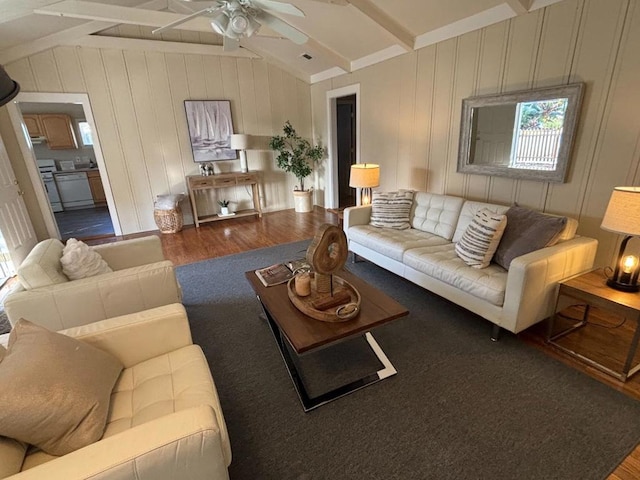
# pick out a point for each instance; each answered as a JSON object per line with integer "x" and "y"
{"x": 296, "y": 155}
{"x": 224, "y": 207}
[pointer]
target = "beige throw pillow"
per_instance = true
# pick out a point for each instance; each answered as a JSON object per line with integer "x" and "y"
{"x": 54, "y": 389}
{"x": 481, "y": 238}
{"x": 79, "y": 261}
{"x": 391, "y": 209}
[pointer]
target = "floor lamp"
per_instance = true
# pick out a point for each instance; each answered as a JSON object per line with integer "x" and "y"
{"x": 240, "y": 142}
{"x": 364, "y": 176}
{"x": 623, "y": 216}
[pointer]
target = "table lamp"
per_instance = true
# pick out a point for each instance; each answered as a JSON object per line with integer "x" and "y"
{"x": 623, "y": 216}
{"x": 364, "y": 176}
{"x": 8, "y": 87}
{"x": 240, "y": 142}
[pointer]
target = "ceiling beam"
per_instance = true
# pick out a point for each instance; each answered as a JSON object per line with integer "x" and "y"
{"x": 371, "y": 10}
{"x": 255, "y": 47}
{"x": 98, "y": 41}
{"x": 116, "y": 14}
{"x": 333, "y": 57}
{"x": 17, "y": 52}
{"x": 41, "y": 44}
{"x": 520, "y": 7}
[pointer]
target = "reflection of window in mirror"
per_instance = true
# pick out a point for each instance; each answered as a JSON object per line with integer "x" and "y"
{"x": 86, "y": 137}
{"x": 537, "y": 134}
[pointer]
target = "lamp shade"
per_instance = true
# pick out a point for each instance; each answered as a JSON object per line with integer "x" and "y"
{"x": 364, "y": 175}
{"x": 8, "y": 88}
{"x": 623, "y": 211}
{"x": 239, "y": 141}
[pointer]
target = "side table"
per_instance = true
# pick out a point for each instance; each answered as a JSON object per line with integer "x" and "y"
{"x": 339, "y": 212}
{"x": 591, "y": 290}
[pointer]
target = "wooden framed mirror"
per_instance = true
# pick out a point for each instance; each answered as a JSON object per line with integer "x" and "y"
{"x": 525, "y": 135}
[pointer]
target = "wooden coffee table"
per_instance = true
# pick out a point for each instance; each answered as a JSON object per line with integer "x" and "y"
{"x": 305, "y": 334}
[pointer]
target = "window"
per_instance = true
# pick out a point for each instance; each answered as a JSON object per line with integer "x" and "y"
{"x": 86, "y": 136}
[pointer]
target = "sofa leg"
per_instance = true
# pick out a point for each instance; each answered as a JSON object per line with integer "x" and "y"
{"x": 355, "y": 258}
{"x": 495, "y": 333}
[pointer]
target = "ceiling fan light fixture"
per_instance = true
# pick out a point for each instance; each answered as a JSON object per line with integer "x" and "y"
{"x": 220, "y": 23}
{"x": 239, "y": 22}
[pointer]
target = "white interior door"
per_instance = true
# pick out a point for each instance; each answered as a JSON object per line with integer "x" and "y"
{"x": 15, "y": 224}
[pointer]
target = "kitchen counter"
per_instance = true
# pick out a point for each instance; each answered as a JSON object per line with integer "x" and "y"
{"x": 77, "y": 170}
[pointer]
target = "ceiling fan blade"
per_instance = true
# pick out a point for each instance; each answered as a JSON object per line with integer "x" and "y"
{"x": 274, "y": 23}
{"x": 230, "y": 44}
{"x": 280, "y": 7}
{"x": 184, "y": 19}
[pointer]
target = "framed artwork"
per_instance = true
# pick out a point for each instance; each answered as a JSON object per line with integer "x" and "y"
{"x": 210, "y": 126}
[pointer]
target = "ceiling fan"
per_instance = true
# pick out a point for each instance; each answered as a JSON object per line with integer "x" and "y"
{"x": 235, "y": 19}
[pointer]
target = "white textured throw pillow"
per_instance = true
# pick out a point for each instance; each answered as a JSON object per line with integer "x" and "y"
{"x": 481, "y": 238}
{"x": 391, "y": 209}
{"x": 79, "y": 261}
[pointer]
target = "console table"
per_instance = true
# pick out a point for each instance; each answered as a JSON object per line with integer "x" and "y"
{"x": 197, "y": 183}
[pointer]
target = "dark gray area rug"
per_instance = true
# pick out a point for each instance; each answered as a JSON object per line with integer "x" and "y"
{"x": 460, "y": 407}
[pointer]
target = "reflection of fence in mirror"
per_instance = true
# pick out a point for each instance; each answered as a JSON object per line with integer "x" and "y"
{"x": 538, "y": 129}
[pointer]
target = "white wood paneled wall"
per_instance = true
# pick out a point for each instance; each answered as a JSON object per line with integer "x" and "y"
{"x": 137, "y": 100}
{"x": 411, "y": 106}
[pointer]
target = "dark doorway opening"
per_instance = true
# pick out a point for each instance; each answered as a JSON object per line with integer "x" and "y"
{"x": 346, "y": 143}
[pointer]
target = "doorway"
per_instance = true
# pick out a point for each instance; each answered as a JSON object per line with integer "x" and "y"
{"x": 58, "y": 133}
{"x": 346, "y": 147}
{"x": 343, "y": 115}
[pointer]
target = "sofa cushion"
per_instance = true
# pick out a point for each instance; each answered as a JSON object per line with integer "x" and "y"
{"x": 12, "y": 454}
{"x": 54, "y": 389}
{"x": 79, "y": 261}
{"x": 391, "y": 209}
{"x": 42, "y": 266}
{"x": 442, "y": 263}
{"x": 163, "y": 385}
{"x": 392, "y": 243}
{"x": 437, "y": 214}
{"x": 527, "y": 231}
{"x": 480, "y": 240}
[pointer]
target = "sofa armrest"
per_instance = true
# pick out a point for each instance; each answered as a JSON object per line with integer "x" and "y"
{"x": 131, "y": 253}
{"x": 532, "y": 282}
{"x": 88, "y": 300}
{"x": 185, "y": 444}
{"x": 140, "y": 336}
{"x": 356, "y": 216}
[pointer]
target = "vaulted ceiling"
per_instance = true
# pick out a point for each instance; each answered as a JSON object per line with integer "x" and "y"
{"x": 344, "y": 35}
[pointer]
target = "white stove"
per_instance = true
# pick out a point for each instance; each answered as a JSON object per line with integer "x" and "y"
{"x": 47, "y": 167}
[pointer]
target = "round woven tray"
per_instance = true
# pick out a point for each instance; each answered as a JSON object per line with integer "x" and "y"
{"x": 339, "y": 313}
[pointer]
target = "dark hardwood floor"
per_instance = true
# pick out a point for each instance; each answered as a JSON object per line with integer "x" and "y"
{"x": 231, "y": 236}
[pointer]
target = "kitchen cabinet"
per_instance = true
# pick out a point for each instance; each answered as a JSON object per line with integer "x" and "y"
{"x": 97, "y": 190}
{"x": 58, "y": 131}
{"x": 57, "y": 128}
{"x": 34, "y": 126}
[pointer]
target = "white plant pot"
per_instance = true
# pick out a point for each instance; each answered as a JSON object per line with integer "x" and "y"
{"x": 224, "y": 210}
{"x": 302, "y": 201}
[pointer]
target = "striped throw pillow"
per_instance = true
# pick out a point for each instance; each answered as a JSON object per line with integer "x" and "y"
{"x": 481, "y": 238}
{"x": 391, "y": 209}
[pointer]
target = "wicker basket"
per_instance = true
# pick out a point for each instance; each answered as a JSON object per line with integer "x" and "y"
{"x": 169, "y": 221}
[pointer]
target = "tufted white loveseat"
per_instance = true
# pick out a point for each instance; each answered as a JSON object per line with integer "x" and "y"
{"x": 425, "y": 254}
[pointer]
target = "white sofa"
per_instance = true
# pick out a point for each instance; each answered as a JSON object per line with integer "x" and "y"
{"x": 141, "y": 279}
{"x": 425, "y": 254}
{"x": 165, "y": 421}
